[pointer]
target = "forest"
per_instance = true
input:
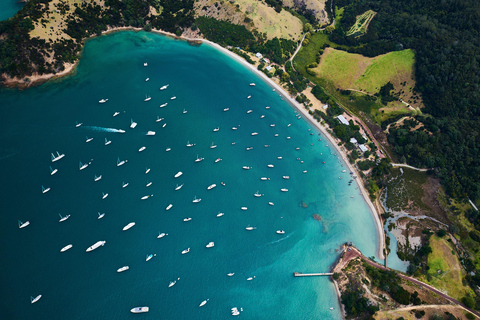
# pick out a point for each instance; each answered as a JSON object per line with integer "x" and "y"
{"x": 445, "y": 38}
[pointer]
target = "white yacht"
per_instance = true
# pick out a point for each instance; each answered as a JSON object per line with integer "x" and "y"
{"x": 147, "y": 170}
{"x": 53, "y": 171}
{"x": 139, "y": 310}
{"x": 286, "y": 177}
{"x": 57, "y": 157}
{"x": 246, "y": 167}
{"x": 234, "y": 128}
{"x": 263, "y": 178}
{"x": 82, "y": 166}
{"x": 96, "y": 245}
{"x": 304, "y": 171}
{"x": 216, "y": 129}
{"x": 250, "y": 228}
{"x": 161, "y": 235}
{"x": 100, "y": 215}
{"x": 262, "y": 116}
{"x": 63, "y": 218}
{"x": 150, "y": 133}
{"x": 164, "y": 87}
{"x": 288, "y": 125}
{"x": 124, "y": 268}
{"x": 173, "y": 98}
{"x": 195, "y": 200}
{"x": 168, "y": 149}
{"x": 279, "y": 158}
{"x": 230, "y": 274}
{"x": 250, "y": 111}
{"x": 124, "y": 184}
{"x": 210, "y": 244}
{"x": 147, "y": 98}
{"x": 66, "y": 248}
{"x": 249, "y": 148}
{"x": 178, "y": 187}
{"x": 172, "y": 283}
{"x": 23, "y": 224}
{"x": 120, "y": 163}
{"x": 147, "y": 79}
{"x": 178, "y": 174}
{"x": 257, "y": 194}
{"x": 102, "y": 100}
{"x": 33, "y": 300}
{"x": 254, "y": 133}
{"x": 146, "y": 197}
{"x": 87, "y": 139}
{"x": 211, "y": 186}
{"x": 187, "y": 219}
{"x": 271, "y": 203}
{"x": 78, "y": 124}
{"x": 141, "y": 149}
{"x": 184, "y": 111}
{"x": 284, "y": 189}
{"x": 204, "y": 302}
{"x": 104, "y": 195}
{"x": 128, "y": 226}
{"x": 252, "y": 84}
{"x": 235, "y": 311}
{"x": 186, "y": 251}
{"x": 148, "y": 184}
{"x": 145, "y": 64}
{"x": 226, "y": 109}
{"x": 250, "y": 278}
{"x": 95, "y": 178}
{"x": 164, "y": 105}
{"x": 159, "y": 119}
{"x": 220, "y": 214}
{"x": 272, "y": 125}
{"x": 190, "y": 144}
{"x": 149, "y": 257}
{"x": 107, "y": 142}
{"x": 198, "y": 159}
{"x": 217, "y": 160}
{"x": 270, "y": 165}
{"x": 280, "y": 232}
{"x": 169, "y": 207}
{"x": 249, "y": 97}
{"x": 267, "y": 107}
{"x": 133, "y": 124}
{"x": 244, "y": 208}
{"x": 116, "y": 113}
{"x": 45, "y": 190}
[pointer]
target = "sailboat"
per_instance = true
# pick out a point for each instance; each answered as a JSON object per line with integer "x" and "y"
{"x": 87, "y": 139}
{"x": 57, "y": 157}
{"x": 45, "y": 190}
{"x": 164, "y": 87}
{"x": 195, "y": 200}
{"x": 204, "y": 302}
{"x": 124, "y": 184}
{"x": 78, "y": 124}
{"x": 178, "y": 187}
{"x": 147, "y": 98}
{"x": 120, "y": 163}
{"x": 53, "y": 171}
{"x": 23, "y": 224}
{"x": 100, "y": 215}
{"x": 184, "y": 111}
{"x": 97, "y": 178}
{"x": 33, "y": 300}
{"x": 104, "y": 195}
{"x": 107, "y": 142}
{"x": 198, "y": 159}
{"x": 63, "y": 218}
{"x": 213, "y": 146}
{"x": 82, "y": 166}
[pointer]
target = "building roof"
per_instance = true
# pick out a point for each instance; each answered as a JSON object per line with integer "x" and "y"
{"x": 353, "y": 140}
{"x": 362, "y": 147}
{"x": 325, "y": 106}
{"x": 269, "y": 68}
{"x": 258, "y": 55}
{"x": 342, "y": 119}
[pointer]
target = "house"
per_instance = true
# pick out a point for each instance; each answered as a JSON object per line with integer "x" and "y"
{"x": 353, "y": 140}
{"x": 362, "y": 147}
{"x": 266, "y": 60}
{"x": 258, "y": 55}
{"x": 325, "y": 106}
{"x": 342, "y": 120}
{"x": 269, "y": 68}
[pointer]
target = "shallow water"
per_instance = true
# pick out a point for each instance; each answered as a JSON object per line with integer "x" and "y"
{"x": 80, "y": 285}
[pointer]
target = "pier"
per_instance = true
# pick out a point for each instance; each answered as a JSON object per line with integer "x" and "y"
{"x": 300, "y": 274}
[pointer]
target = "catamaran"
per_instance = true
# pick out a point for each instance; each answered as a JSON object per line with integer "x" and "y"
{"x": 45, "y": 190}
{"x": 33, "y": 300}
{"x": 97, "y": 178}
{"x": 96, "y": 245}
{"x": 82, "y": 166}
{"x": 53, "y": 171}
{"x": 63, "y": 218}
{"x": 107, "y": 142}
{"x": 57, "y": 157}
{"x": 23, "y": 224}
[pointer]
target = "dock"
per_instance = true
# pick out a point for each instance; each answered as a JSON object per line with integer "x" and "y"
{"x": 300, "y": 274}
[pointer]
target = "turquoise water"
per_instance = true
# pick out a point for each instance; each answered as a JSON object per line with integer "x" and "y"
{"x": 80, "y": 285}
{"x": 8, "y": 8}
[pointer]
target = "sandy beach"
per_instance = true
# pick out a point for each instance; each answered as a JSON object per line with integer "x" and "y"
{"x": 38, "y": 79}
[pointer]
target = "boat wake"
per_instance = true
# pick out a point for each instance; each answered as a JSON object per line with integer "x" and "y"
{"x": 281, "y": 239}
{"x": 102, "y": 129}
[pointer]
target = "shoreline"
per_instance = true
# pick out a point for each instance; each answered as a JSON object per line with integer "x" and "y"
{"x": 69, "y": 68}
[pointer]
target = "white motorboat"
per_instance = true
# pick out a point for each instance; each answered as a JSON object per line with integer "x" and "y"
{"x": 284, "y": 189}
{"x": 252, "y": 84}
{"x": 161, "y": 235}
{"x": 288, "y": 125}
{"x": 116, "y": 113}
{"x": 195, "y": 200}
{"x": 270, "y": 165}
{"x": 220, "y": 214}
{"x": 100, "y": 215}
{"x": 164, "y": 87}
{"x": 246, "y": 167}
{"x": 267, "y": 107}
{"x": 279, "y": 158}
{"x": 250, "y": 228}
{"x": 213, "y": 146}
{"x": 87, "y": 139}
{"x": 95, "y": 178}
{"x": 249, "y": 97}
{"x": 124, "y": 184}
{"x": 82, "y": 166}
{"x": 286, "y": 177}
{"x": 63, "y": 218}
{"x": 147, "y": 98}
{"x": 254, "y": 133}
{"x": 257, "y": 194}
{"x": 249, "y": 148}
{"x": 147, "y": 170}
{"x": 145, "y": 64}
{"x": 139, "y": 310}
{"x": 230, "y": 274}
{"x": 148, "y": 184}
{"x": 23, "y": 224}
{"x": 124, "y": 268}
{"x": 173, "y": 98}
{"x": 168, "y": 149}
{"x": 178, "y": 174}
{"x": 234, "y": 128}
{"x": 169, "y": 207}
{"x": 198, "y": 159}
{"x": 146, "y": 197}
{"x": 120, "y": 163}
{"x": 250, "y": 278}
{"x": 53, "y": 171}
{"x": 190, "y": 144}
{"x": 280, "y": 232}
{"x": 276, "y": 134}
{"x": 149, "y": 257}
{"x": 172, "y": 283}
{"x": 45, "y": 190}
{"x": 78, "y": 124}
{"x": 272, "y": 125}
{"x": 128, "y": 226}
{"x": 271, "y": 203}
{"x": 66, "y": 248}
{"x": 184, "y": 111}
{"x": 121, "y": 131}
{"x": 178, "y": 187}
{"x": 107, "y": 142}
{"x": 262, "y": 116}
{"x": 57, "y": 157}
{"x": 133, "y": 124}
{"x": 250, "y": 111}
{"x": 226, "y": 109}
{"x": 216, "y": 129}
{"x": 244, "y": 208}
{"x": 150, "y": 133}
{"x": 210, "y": 244}
{"x": 147, "y": 79}
{"x": 235, "y": 311}
{"x": 164, "y": 105}
{"x": 33, "y": 300}
{"x": 217, "y": 160}
{"x": 141, "y": 149}
{"x": 304, "y": 171}
{"x": 102, "y": 100}
{"x": 159, "y": 119}
{"x": 263, "y": 178}
{"x": 104, "y": 195}
{"x": 204, "y": 302}
{"x": 96, "y": 245}
{"x": 186, "y": 251}
{"x": 187, "y": 219}
{"x": 211, "y": 186}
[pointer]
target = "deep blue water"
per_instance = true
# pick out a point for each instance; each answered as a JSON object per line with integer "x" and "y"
{"x": 8, "y": 8}
{"x": 80, "y": 285}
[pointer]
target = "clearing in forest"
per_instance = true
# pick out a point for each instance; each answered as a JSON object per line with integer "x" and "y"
{"x": 361, "y": 25}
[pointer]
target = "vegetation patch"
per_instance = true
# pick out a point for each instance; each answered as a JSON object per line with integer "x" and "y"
{"x": 224, "y": 32}
{"x": 361, "y": 24}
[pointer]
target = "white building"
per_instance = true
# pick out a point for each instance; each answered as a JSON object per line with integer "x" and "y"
{"x": 362, "y": 147}
{"x": 342, "y": 120}
{"x": 325, "y": 106}
{"x": 266, "y": 60}
{"x": 259, "y": 55}
{"x": 269, "y": 68}
{"x": 353, "y": 140}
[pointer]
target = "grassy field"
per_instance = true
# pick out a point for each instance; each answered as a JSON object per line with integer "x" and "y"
{"x": 452, "y": 273}
{"x": 361, "y": 24}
